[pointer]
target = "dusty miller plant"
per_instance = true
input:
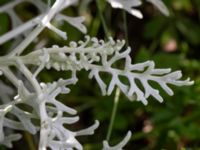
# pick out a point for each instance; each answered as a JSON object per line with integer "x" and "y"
{"x": 93, "y": 55}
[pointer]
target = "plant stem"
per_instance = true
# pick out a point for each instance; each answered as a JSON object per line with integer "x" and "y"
{"x": 125, "y": 28}
{"x": 29, "y": 140}
{"x": 113, "y": 115}
{"x": 118, "y": 92}
{"x": 44, "y": 130}
{"x": 102, "y": 18}
{"x": 46, "y": 19}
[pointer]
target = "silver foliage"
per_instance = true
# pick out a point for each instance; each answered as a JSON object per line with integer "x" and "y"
{"x": 129, "y": 6}
{"x": 85, "y": 55}
{"x": 119, "y": 146}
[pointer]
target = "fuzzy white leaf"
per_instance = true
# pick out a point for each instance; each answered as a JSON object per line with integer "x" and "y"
{"x": 142, "y": 72}
{"x": 119, "y": 146}
{"x": 77, "y": 22}
{"x": 11, "y": 138}
{"x": 127, "y": 5}
{"x": 160, "y": 5}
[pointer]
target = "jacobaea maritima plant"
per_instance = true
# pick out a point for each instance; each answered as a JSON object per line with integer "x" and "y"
{"x": 93, "y": 55}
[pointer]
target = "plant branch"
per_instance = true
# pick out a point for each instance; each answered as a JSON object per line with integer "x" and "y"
{"x": 113, "y": 115}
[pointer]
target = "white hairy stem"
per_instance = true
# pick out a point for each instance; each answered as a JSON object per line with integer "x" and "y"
{"x": 9, "y": 5}
{"x": 44, "y": 130}
{"x": 46, "y": 19}
{"x": 29, "y": 24}
{"x": 9, "y": 74}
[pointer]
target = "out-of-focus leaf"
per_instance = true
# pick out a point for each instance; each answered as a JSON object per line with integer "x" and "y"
{"x": 182, "y": 5}
{"x": 192, "y": 131}
{"x": 2, "y": 2}
{"x": 167, "y": 60}
{"x": 153, "y": 27}
{"x": 197, "y": 5}
{"x": 189, "y": 29}
{"x": 4, "y": 24}
{"x": 143, "y": 55}
{"x": 162, "y": 116}
{"x": 121, "y": 122}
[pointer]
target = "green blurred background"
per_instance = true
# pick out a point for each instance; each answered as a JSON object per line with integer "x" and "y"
{"x": 172, "y": 41}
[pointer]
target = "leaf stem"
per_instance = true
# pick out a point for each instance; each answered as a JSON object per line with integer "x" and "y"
{"x": 30, "y": 141}
{"x": 43, "y": 23}
{"x": 113, "y": 115}
{"x": 118, "y": 92}
{"x": 125, "y": 27}
{"x": 102, "y": 18}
